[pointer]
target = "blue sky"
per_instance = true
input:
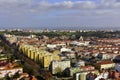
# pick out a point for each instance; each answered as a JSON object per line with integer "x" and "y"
{"x": 53, "y": 1}
{"x": 60, "y": 14}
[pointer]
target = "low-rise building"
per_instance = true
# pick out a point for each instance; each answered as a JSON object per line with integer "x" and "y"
{"x": 79, "y": 63}
{"x": 73, "y": 70}
{"x": 85, "y": 75}
{"x": 9, "y": 70}
{"x": 105, "y": 65}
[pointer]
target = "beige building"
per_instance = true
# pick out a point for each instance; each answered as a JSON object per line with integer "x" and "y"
{"x": 60, "y": 66}
{"x": 105, "y": 65}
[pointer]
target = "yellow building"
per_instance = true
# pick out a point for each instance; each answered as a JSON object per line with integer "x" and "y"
{"x": 39, "y": 58}
{"x": 46, "y": 61}
{"x": 29, "y": 53}
{"x": 56, "y": 52}
{"x": 32, "y": 56}
{"x": 39, "y": 55}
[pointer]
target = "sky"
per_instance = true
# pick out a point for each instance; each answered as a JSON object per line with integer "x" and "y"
{"x": 60, "y": 14}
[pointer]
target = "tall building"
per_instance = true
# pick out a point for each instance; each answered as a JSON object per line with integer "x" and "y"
{"x": 59, "y": 66}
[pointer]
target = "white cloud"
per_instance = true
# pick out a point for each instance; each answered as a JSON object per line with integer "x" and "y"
{"x": 15, "y": 3}
{"x": 117, "y": 5}
{"x": 33, "y": 6}
{"x": 78, "y": 5}
{"x": 85, "y": 5}
{"x": 110, "y": 4}
{"x": 68, "y": 5}
{"x": 15, "y": 6}
{"x": 64, "y": 5}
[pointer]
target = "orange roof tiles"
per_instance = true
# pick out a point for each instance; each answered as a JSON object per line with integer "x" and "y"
{"x": 105, "y": 62}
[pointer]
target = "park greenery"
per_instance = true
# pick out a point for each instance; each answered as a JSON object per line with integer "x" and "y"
{"x": 99, "y": 34}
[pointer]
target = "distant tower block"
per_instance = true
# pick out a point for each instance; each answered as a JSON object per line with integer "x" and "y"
{"x": 81, "y": 38}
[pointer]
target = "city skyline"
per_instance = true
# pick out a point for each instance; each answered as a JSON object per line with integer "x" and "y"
{"x": 60, "y": 14}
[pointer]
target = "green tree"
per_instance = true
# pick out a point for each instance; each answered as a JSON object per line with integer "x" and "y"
{"x": 7, "y": 77}
{"x": 58, "y": 71}
{"x": 17, "y": 75}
